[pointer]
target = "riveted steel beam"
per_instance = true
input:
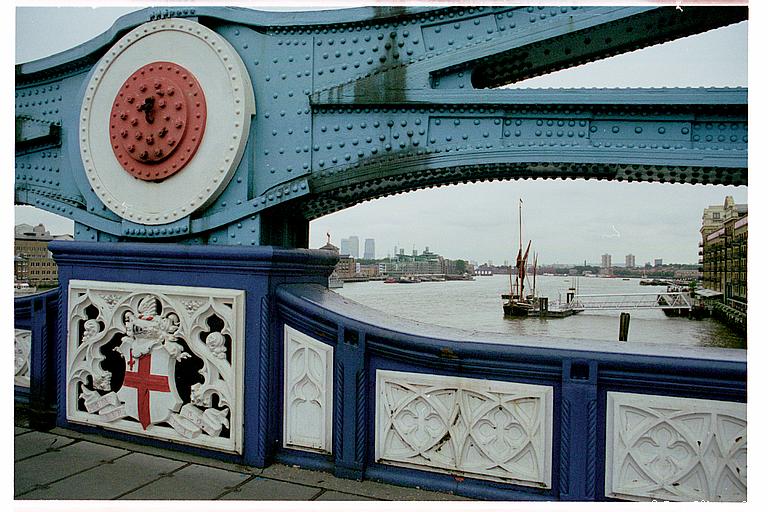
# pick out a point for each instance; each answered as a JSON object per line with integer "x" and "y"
{"x": 360, "y": 103}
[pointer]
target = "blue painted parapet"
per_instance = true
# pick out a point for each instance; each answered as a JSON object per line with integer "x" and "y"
{"x": 491, "y": 417}
{"x": 244, "y": 355}
{"x": 35, "y": 318}
{"x": 201, "y": 318}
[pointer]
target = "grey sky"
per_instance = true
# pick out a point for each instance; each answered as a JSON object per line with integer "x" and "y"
{"x": 569, "y": 221}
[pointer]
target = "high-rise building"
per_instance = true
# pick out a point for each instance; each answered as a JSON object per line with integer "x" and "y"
{"x": 658, "y": 262}
{"x": 350, "y": 246}
{"x": 346, "y": 247}
{"x": 369, "y": 253}
{"x": 629, "y": 261}
{"x": 605, "y": 261}
{"x": 354, "y": 245}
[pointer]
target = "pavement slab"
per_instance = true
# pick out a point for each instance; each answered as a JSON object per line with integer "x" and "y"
{"x": 64, "y": 464}
{"x": 365, "y": 488}
{"x": 266, "y": 489}
{"x": 341, "y": 496}
{"x": 34, "y": 443}
{"x": 51, "y": 466}
{"x": 158, "y": 452}
{"x": 109, "y": 480}
{"x": 192, "y": 482}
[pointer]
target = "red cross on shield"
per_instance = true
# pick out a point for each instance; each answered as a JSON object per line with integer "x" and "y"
{"x": 149, "y": 391}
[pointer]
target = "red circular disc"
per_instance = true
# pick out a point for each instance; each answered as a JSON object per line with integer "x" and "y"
{"x": 157, "y": 121}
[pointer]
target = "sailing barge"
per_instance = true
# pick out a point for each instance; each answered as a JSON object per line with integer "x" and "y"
{"x": 517, "y": 303}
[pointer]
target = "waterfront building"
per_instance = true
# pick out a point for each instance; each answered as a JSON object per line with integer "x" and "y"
{"x": 629, "y": 261}
{"x": 20, "y": 269}
{"x": 329, "y": 246}
{"x": 658, "y": 262}
{"x": 369, "y": 252}
{"x": 605, "y": 261}
{"x": 345, "y": 267}
{"x": 716, "y": 215}
{"x": 33, "y": 262}
{"x": 368, "y": 270}
{"x": 687, "y": 274}
{"x": 723, "y": 250}
{"x": 423, "y": 264}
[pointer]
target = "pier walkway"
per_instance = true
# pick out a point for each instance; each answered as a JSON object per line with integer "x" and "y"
{"x": 629, "y": 301}
{"x": 65, "y": 465}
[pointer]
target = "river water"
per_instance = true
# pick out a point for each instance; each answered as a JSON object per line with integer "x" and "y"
{"x": 476, "y": 306}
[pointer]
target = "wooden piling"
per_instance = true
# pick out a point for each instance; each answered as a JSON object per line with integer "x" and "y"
{"x": 623, "y": 326}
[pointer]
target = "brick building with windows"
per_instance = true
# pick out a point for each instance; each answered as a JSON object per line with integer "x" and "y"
{"x": 723, "y": 250}
{"x": 33, "y": 262}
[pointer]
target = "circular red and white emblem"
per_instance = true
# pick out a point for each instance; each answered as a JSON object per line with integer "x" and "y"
{"x": 158, "y": 120}
{"x": 164, "y": 121}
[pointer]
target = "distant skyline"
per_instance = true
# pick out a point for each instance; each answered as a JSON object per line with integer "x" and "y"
{"x": 631, "y": 227}
{"x": 568, "y": 221}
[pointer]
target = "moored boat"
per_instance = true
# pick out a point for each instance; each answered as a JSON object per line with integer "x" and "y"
{"x": 518, "y": 304}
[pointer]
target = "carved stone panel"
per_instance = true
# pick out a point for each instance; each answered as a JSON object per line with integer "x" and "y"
{"x": 470, "y": 427}
{"x": 141, "y": 360}
{"x": 675, "y": 449}
{"x": 307, "y": 392}
{"x": 22, "y": 344}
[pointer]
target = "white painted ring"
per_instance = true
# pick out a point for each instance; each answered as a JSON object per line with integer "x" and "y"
{"x": 230, "y": 104}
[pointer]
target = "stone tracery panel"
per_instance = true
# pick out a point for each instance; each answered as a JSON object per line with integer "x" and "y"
{"x": 480, "y": 428}
{"x": 22, "y": 345}
{"x": 140, "y": 360}
{"x": 307, "y": 392}
{"x": 675, "y": 449}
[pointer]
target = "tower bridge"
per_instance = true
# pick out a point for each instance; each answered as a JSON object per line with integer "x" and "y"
{"x": 191, "y": 147}
{"x": 335, "y": 111}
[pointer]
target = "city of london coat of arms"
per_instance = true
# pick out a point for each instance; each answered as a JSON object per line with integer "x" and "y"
{"x": 158, "y": 361}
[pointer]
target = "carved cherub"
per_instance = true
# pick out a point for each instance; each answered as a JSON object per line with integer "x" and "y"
{"x": 102, "y": 380}
{"x": 216, "y": 342}
{"x": 176, "y": 350}
{"x": 90, "y": 330}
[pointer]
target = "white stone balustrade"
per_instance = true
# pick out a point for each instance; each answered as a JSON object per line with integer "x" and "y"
{"x": 675, "y": 449}
{"x": 479, "y": 428}
{"x": 307, "y": 392}
{"x": 124, "y": 347}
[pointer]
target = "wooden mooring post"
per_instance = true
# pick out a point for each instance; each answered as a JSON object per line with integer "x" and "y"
{"x": 623, "y": 326}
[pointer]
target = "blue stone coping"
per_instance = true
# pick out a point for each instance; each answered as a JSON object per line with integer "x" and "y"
{"x": 405, "y": 334}
{"x": 260, "y": 259}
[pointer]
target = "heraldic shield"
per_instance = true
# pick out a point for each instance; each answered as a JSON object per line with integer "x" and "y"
{"x": 158, "y": 361}
{"x": 149, "y": 391}
{"x": 150, "y": 352}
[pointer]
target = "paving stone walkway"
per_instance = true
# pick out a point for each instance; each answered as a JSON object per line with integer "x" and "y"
{"x": 62, "y": 465}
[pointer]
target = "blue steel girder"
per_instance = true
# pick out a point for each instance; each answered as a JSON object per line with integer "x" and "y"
{"x": 360, "y": 103}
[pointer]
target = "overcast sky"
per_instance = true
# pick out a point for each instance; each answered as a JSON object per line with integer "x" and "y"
{"x": 569, "y": 221}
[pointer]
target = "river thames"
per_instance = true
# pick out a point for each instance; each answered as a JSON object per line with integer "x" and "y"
{"x": 476, "y": 306}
